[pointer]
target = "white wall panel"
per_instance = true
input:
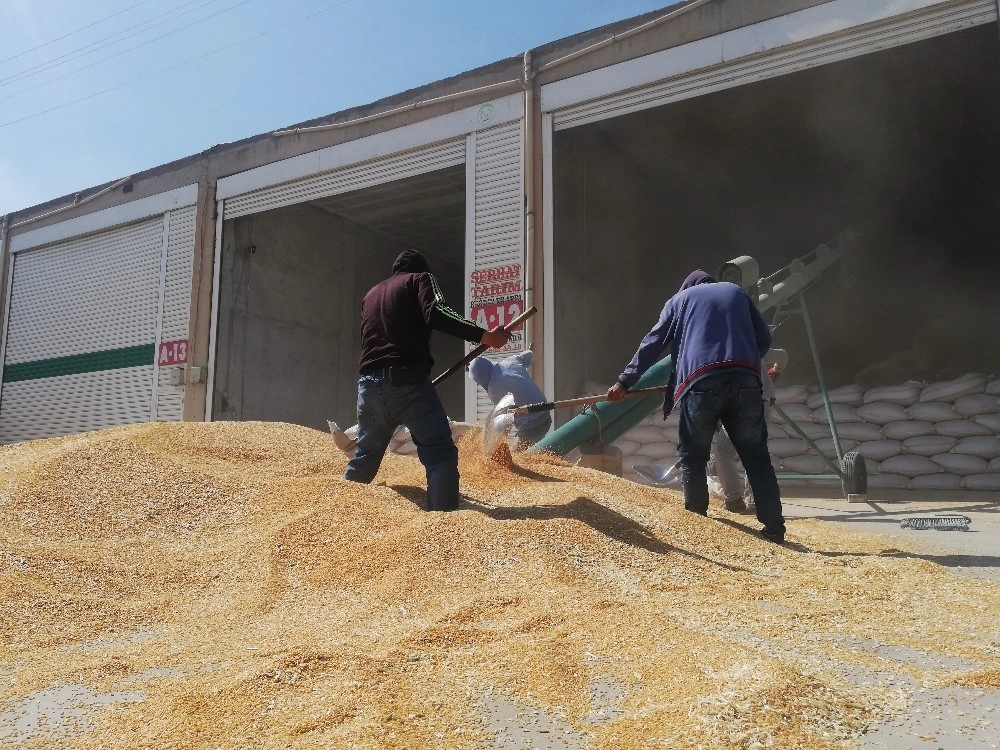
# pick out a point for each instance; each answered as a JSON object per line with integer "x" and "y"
{"x": 498, "y": 231}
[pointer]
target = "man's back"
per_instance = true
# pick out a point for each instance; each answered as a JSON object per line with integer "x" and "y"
{"x": 716, "y": 325}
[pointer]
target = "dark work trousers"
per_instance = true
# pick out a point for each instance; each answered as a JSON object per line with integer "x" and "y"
{"x": 732, "y": 396}
{"x": 382, "y": 407}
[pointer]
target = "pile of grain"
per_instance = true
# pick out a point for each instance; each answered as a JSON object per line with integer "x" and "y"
{"x": 221, "y": 586}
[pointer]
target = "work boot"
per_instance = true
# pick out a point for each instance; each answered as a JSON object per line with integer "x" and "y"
{"x": 735, "y": 504}
{"x": 778, "y": 537}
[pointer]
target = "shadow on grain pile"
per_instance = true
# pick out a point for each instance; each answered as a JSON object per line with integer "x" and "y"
{"x": 220, "y": 585}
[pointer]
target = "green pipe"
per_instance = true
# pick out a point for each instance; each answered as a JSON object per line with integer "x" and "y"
{"x": 788, "y": 421}
{"x": 602, "y": 421}
{"x": 822, "y": 380}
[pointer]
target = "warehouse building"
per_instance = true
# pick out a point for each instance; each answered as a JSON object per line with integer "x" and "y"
{"x": 585, "y": 178}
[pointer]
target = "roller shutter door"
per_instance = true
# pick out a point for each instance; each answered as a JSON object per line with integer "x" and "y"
{"x": 498, "y": 246}
{"x": 85, "y": 318}
{"x": 344, "y": 180}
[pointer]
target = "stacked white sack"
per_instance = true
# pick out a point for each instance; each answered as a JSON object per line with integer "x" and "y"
{"x": 943, "y": 435}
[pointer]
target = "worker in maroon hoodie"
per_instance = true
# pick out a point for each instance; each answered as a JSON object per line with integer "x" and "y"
{"x": 717, "y": 337}
{"x": 397, "y": 317}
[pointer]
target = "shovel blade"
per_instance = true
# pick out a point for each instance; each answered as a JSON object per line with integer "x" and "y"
{"x": 498, "y": 426}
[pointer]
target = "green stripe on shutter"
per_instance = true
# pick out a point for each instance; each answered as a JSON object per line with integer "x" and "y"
{"x": 110, "y": 359}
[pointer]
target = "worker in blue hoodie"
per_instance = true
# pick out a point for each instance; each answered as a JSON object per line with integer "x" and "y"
{"x": 717, "y": 337}
{"x": 510, "y": 375}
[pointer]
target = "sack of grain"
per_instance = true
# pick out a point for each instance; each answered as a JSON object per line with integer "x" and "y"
{"x": 815, "y": 431}
{"x": 872, "y": 467}
{"x": 880, "y": 450}
{"x": 983, "y": 446}
{"x": 995, "y": 465}
{"x": 911, "y": 466}
{"x": 776, "y": 431}
{"x": 860, "y": 431}
{"x": 806, "y": 464}
{"x": 932, "y": 411}
{"x": 627, "y": 447}
{"x": 458, "y": 429}
{"x": 977, "y": 404}
{"x": 989, "y": 421}
{"x": 842, "y": 413}
{"x": 879, "y": 412}
{"x": 850, "y": 395}
{"x": 669, "y": 434}
{"x": 784, "y": 447}
{"x": 645, "y": 433}
{"x": 993, "y": 387}
{"x": 907, "y": 429}
{"x": 888, "y": 481}
{"x": 345, "y": 440}
{"x": 798, "y": 412}
{"x": 961, "y": 464}
{"x": 936, "y": 482}
{"x": 406, "y": 448}
{"x": 961, "y": 428}
{"x": 826, "y": 445}
{"x": 951, "y": 390}
{"x": 790, "y": 394}
{"x": 981, "y": 482}
{"x": 904, "y": 395}
{"x": 929, "y": 445}
{"x": 636, "y": 459}
{"x": 657, "y": 450}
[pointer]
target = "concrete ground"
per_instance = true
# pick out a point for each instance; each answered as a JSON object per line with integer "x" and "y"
{"x": 954, "y": 718}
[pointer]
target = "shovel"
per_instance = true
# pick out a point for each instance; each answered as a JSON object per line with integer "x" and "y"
{"x": 347, "y": 440}
{"x": 501, "y": 420}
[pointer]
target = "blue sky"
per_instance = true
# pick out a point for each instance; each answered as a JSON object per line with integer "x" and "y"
{"x": 177, "y": 76}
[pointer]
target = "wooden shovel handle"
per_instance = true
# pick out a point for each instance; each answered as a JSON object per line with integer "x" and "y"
{"x": 483, "y": 347}
{"x": 583, "y": 400}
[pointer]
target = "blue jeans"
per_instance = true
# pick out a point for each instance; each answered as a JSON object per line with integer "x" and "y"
{"x": 732, "y": 396}
{"x": 382, "y": 407}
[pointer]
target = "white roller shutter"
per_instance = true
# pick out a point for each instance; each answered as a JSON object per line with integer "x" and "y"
{"x": 823, "y": 34}
{"x": 176, "y": 307}
{"x": 497, "y": 277}
{"x": 83, "y": 324}
{"x": 376, "y": 172}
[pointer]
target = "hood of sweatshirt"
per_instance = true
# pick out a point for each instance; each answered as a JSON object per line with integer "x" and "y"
{"x": 481, "y": 370}
{"x": 697, "y": 277}
{"x": 410, "y": 261}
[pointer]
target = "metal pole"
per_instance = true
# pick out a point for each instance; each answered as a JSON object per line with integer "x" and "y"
{"x": 822, "y": 380}
{"x": 791, "y": 423}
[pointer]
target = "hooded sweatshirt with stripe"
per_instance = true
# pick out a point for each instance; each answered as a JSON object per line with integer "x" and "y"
{"x": 708, "y": 326}
{"x": 398, "y": 315}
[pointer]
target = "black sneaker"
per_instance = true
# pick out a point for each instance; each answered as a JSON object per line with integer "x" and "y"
{"x": 778, "y": 537}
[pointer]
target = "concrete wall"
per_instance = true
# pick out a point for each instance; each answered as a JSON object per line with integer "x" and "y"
{"x": 288, "y": 333}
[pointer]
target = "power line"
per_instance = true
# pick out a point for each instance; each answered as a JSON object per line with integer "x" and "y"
{"x": 178, "y": 65}
{"x": 80, "y": 51}
{"x": 75, "y": 31}
{"x": 122, "y": 52}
